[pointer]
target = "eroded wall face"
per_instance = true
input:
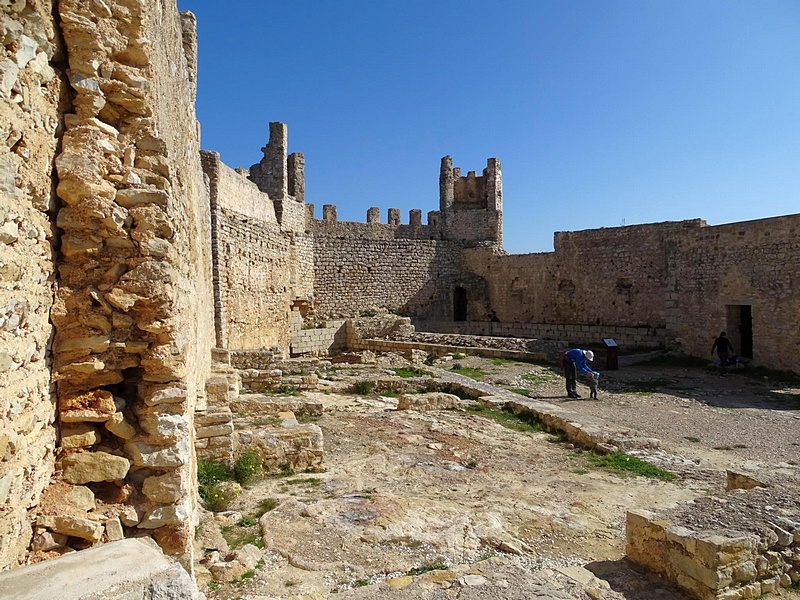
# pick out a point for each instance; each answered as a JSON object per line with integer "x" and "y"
{"x": 612, "y": 276}
{"x": 30, "y": 92}
{"x": 260, "y": 267}
{"x": 753, "y": 264}
{"x": 133, "y": 312}
{"x": 360, "y": 267}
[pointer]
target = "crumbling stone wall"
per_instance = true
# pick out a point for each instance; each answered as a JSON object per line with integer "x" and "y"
{"x": 753, "y": 263}
{"x": 365, "y": 266}
{"x": 252, "y": 261}
{"x": 615, "y": 276}
{"x": 133, "y": 312}
{"x": 30, "y": 97}
{"x": 273, "y": 256}
{"x": 680, "y": 280}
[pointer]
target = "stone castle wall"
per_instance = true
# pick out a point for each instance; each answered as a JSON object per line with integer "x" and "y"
{"x": 615, "y": 276}
{"x": 132, "y": 310}
{"x": 118, "y": 276}
{"x": 361, "y": 267}
{"x": 30, "y": 95}
{"x": 682, "y": 280}
{"x": 713, "y": 270}
{"x": 676, "y": 283}
{"x": 252, "y": 260}
{"x": 272, "y": 255}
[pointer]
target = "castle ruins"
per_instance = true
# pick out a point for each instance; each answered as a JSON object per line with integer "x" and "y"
{"x": 127, "y": 255}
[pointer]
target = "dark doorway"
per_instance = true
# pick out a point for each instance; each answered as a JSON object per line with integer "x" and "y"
{"x": 459, "y": 304}
{"x": 740, "y": 329}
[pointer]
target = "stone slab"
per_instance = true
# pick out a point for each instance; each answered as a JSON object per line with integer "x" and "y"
{"x": 127, "y": 568}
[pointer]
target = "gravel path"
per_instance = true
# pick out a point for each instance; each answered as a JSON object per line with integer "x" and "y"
{"x": 694, "y": 412}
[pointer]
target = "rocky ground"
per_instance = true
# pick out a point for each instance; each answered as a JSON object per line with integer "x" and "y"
{"x": 452, "y": 504}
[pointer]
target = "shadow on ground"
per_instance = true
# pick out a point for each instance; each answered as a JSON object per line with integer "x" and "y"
{"x": 633, "y": 582}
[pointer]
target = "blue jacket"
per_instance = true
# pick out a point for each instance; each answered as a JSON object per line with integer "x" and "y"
{"x": 576, "y": 356}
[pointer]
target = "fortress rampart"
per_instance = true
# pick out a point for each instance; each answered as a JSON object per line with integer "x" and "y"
{"x": 679, "y": 282}
{"x": 126, "y": 255}
{"x": 122, "y": 253}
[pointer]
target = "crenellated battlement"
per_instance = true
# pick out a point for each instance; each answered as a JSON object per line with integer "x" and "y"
{"x": 393, "y": 228}
{"x": 470, "y": 207}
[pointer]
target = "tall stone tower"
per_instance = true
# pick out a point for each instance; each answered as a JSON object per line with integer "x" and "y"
{"x": 471, "y": 207}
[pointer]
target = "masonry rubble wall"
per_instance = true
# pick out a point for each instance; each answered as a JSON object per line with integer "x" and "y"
{"x": 718, "y": 564}
{"x": 639, "y": 337}
{"x": 318, "y": 341}
{"x": 612, "y": 277}
{"x": 682, "y": 281}
{"x": 253, "y": 262}
{"x": 31, "y": 95}
{"x": 714, "y": 270}
{"x": 375, "y": 270}
{"x": 133, "y": 311}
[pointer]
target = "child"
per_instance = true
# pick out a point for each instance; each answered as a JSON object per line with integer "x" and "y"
{"x": 593, "y": 381}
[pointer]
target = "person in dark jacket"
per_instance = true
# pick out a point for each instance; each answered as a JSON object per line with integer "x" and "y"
{"x": 574, "y": 361}
{"x": 724, "y": 350}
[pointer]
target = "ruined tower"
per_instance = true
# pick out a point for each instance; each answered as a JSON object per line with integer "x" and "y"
{"x": 471, "y": 207}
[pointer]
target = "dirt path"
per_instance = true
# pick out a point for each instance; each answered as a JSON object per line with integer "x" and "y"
{"x": 512, "y": 514}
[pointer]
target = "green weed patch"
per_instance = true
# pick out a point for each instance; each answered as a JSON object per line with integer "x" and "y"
{"x": 411, "y": 372}
{"x": 619, "y": 462}
{"x": 427, "y": 568}
{"x": 471, "y": 372}
{"x": 518, "y": 422}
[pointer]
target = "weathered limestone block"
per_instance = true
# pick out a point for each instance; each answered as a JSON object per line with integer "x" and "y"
{"x": 227, "y": 571}
{"x": 248, "y": 555}
{"x": 119, "y": 426}
{"x": 121, "y": 299}
{"x": 713, "y": 578}
{"x": 114, "y": 531}
{"x": 126, "y": 569}
{"x": 162, "y": 364}
{"x": 81, "y": 498}
{"x": 147, "y": 455}
{"x": 91, "y": 365}
{"x": 784, "y": 538}
{"x": 129, "y": 516}
{"x": 299, "y": 447}
{"x": 174, "y": 514}
{"x": 94, "y": 406}
{"x": 713, "y": 549}
{"x": 217, "y": 390}
{"x": 173, "y": 539}
{"x": 154, "y": 395}
{"x": 165, "y": 427}
{"x": 165, "y": 489}
{"x": 81, "y": 345}
{"x": 260, "y": 404}
{"x": 224, "y": 429}
{"x": 84, "y": 528}
{"x": 217, "y": 417}
{"x": 428, "y": 401}
{"x": 85, "y": 467}
{"x": 44, "y": 541}
{"x": 738, "y": 480}
{"x": 78, "y": 435}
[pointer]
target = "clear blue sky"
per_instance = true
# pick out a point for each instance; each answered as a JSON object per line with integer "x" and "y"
{"x": 601, "y": 112}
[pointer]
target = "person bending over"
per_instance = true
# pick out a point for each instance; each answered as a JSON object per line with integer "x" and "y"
{"x": 575, "y": 360}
